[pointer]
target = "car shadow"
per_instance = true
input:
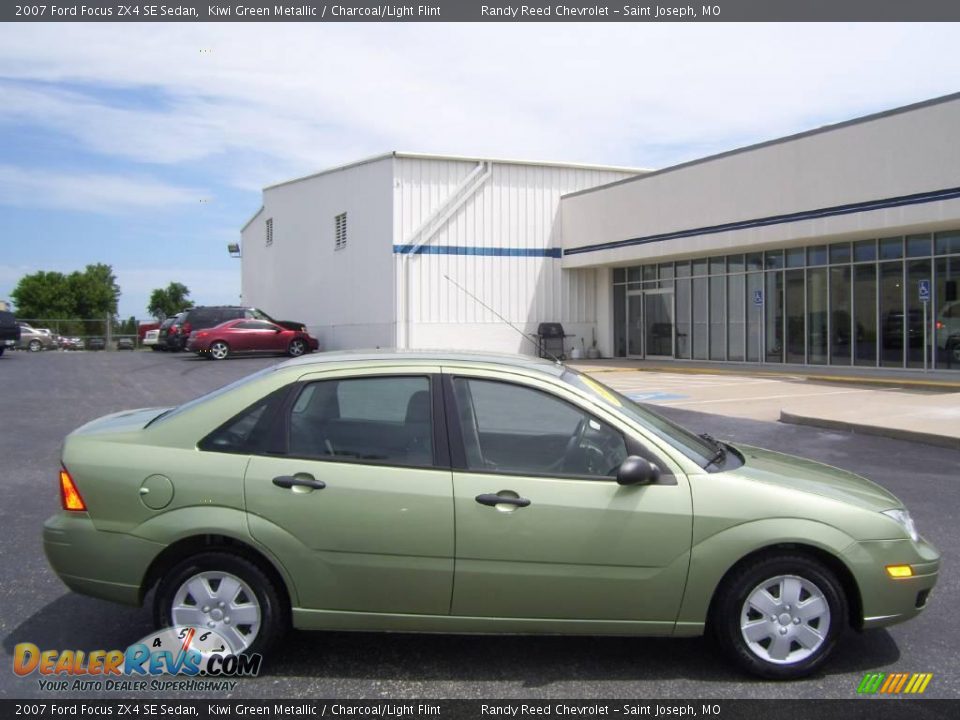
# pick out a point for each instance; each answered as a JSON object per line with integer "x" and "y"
{"x": 76, "y": 622}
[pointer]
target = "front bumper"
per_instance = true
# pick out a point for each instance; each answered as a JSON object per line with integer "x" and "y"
{"x": 885, "y": 600}
{"x": 92, "y": 562}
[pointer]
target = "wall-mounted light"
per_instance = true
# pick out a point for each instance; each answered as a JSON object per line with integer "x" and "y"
{"x": 233, "y": 249}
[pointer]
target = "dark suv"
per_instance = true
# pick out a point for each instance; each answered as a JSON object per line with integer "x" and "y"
{"x": 199, "y": 318}
{"x": 9, "y": 331}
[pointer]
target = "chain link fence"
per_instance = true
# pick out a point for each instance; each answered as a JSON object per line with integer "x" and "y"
{"x": 66, "y": 334}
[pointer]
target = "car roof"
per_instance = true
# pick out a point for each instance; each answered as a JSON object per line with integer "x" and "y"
{"x": 423, "y": 357}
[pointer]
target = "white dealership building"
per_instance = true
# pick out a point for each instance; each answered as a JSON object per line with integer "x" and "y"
{"x": 837, "y": 246}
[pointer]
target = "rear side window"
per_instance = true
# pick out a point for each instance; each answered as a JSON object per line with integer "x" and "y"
{"x": 383, "y": 420}
{"x": 249, "y": 431}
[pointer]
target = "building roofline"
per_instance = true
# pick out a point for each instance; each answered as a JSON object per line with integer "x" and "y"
{"x": 458, "y": 158}
{"x": 252, "y": 218}
{"x": 777, "y": 141}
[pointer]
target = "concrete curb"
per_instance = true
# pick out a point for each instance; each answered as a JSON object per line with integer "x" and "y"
{"x": 945, "y": 441}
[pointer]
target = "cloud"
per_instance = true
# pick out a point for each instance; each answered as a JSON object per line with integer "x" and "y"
{"x": 88, "y": 192}
{"x": 270, "y": 101}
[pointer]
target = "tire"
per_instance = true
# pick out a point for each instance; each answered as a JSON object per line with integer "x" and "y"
{"x": 1, "y": 351}
{"x": 784, "y": 644}
{"x": 34, "y": 346}
{"x": 155, "y": 348}
{"x": 219, "y": 350}
{"x": 239, "y": 584}
{"x": 297, "y": 347}
{"x": 953, "y": 352}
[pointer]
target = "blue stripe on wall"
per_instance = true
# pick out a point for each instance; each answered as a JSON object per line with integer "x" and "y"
{"x": 485, "y": 251}
{"x": 917, "y": 199}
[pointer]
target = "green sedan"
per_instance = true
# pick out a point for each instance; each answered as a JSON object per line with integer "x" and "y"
{"x": 471, "y": 493}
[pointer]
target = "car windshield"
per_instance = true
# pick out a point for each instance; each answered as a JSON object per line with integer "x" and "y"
{"x": 179, "y": 409}
{"x": 690, "y": 444}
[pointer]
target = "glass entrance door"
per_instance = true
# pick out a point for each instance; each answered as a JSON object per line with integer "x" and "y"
{"x": 650, "y": 323}
{"x": 658, "y": 323}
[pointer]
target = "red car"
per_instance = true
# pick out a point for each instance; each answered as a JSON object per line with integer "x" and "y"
{"x": 245, "y": 335}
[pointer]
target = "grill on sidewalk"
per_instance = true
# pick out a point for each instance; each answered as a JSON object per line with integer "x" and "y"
{"x": 550, "y": 337}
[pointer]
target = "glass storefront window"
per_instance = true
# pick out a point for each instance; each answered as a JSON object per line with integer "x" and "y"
{"x": 666, "y": 271}
{"x": 649, "y": 272}
{"x": 840, "y": 253}
{"x": 817, "y": 255}
{"x": 718, "y": 265}
{"x": 619, "y": 321}
{"x": 683, "y": 318}
{"x": 891, "y": 314}
{"x": 918, "y": 245}
{"x": 683, "y": 268}
{"x": 634, "y": 274}
{"x": 817, "y": 316}
{"x": 754, "y": 316}
{"x": 891, "y": 248}
{"x": 865, "y": 251}
{"x": 841, "y": 319}
{"x": 619, "y": 275}
{"x": 700, "y": 318}
{"x": 718, "y": 318}
{"x": 947, "y": 312}
{"x": 700, "y": 267}
{"x": 773, "y": 305}
{"x": 947, "y": 242}
{"x": 865, "y": 314}
{"x": 796, "y": 316}
{"x": 917, "y": 341}
{"x": 795, "y": 257}
{"x": 754, "y": 261}
{"x": 735, "y": 263}
{"x": 735, "y": 309}
{"x": 773, "y": 259}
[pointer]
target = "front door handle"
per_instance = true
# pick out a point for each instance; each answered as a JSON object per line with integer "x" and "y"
{"x": 492, "y": 500}
{"x": 288, "y": 481}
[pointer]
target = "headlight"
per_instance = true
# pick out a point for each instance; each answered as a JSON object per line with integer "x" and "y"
{"x": 905, "y": 521}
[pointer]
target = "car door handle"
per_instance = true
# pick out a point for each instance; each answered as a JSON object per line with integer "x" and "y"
{"x": 492, "y": 500}
{"x": 288, "y": 481}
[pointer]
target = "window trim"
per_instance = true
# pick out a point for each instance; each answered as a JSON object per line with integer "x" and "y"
{"x": 458, "y": 455}
{"x": 441, "y": 448}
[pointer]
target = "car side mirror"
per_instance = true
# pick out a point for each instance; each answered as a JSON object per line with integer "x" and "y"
{"x": 636, "y": 470}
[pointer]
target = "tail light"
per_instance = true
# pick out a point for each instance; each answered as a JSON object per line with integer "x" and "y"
{"x": 939, "y": 325}
{"x": 69, "y": 495}
{"x": 185, "y": 328}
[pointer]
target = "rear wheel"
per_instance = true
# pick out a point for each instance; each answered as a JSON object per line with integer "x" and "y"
{"x": 780, "y": 616}
{"x": 226, "y": 593}
{"x": 296, "y": 348}
{"x": 219, "y": 350}
{"x": 35, "y": 346}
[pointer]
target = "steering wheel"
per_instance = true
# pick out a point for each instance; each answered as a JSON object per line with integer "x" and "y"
{"x": 573, "y": 445}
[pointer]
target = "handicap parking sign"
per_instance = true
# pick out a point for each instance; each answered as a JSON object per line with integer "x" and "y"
{"x": 758, "y": 297}
{"x": 924, "y": 291}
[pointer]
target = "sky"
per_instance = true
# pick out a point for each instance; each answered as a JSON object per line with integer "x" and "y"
{"x": 146, "y": 146}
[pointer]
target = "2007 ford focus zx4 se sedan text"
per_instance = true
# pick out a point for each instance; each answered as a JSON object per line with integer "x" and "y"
{"x": 463, "y": 493}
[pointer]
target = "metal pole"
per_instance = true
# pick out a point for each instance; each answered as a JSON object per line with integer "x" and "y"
{"x": 925, "y": 336}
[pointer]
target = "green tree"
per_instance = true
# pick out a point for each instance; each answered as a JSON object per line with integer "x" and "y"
{"x": 91, "y": 294}
{"x": 43, "y": 295}
{"x": 168, "y": 301}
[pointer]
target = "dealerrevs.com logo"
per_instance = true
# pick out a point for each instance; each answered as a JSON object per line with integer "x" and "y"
{"x": 894, "y": 683}
{"x": 189, "y": 652}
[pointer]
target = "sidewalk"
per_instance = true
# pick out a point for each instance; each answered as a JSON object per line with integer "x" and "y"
{"x": 905, "y": 405}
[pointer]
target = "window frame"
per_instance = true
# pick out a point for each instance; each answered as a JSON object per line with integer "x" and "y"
{"x": 458, "y": 455}
{"x": 439, "y": 441}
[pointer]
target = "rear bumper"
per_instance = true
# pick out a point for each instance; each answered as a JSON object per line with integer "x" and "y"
{"x": 101, "y": 564}
{"x": 887, "y": 601}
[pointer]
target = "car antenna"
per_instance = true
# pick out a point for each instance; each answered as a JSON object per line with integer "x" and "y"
{"x": 522, "y": 333}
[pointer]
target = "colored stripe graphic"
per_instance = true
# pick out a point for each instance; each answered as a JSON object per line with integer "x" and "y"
{"x": 480, "y": 251}
{"x": 894, "y": 683}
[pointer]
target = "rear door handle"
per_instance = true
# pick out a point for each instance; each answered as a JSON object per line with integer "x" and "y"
{"x": 492, "y": 500}
{"x": 288, "y": 481}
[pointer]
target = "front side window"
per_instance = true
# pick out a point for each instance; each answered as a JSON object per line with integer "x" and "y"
{"x": 515, "y": 429}
{"x": 383, "y": 420}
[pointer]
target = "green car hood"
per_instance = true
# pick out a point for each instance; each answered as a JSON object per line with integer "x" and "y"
{"x": 812, "y": 477}
{"x": 126, "y": 421}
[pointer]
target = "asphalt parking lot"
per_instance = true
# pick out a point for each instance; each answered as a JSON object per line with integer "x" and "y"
{"x": 45, "y": 395}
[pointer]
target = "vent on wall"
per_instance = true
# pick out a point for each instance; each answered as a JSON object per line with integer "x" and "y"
{"x": 340, "y": 231}
{"x": 269, "y": 231}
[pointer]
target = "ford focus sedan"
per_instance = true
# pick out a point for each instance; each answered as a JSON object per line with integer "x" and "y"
{"x": 248, "y": 336}
{"x": 474, "y": 494}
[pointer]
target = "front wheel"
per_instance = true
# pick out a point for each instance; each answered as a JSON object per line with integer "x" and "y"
{"x": 225, "y": 593}
{"x": 219, "y": 350}
{"x": 35, "y": 346}
{"x": 779, "y": 617}
{"x": 296, "y": 348}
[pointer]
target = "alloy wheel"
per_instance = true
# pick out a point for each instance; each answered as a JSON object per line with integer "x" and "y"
{"x": 785, "y": 619}
{"x": 219, "y": 350}
{"x": 297, "y": 348}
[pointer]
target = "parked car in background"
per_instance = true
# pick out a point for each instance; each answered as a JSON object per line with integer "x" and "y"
{"x": 475, "y": 493}
{"x": 144, "y": 327}
{"x": 36, "y": 339}
{"x": 71, "y": 343}
{"x": 151, "y": 339}
{"x": 125, "y": 343}
{"x": 246, "y": 336}
{"x": 9, "y": 331}
{"x": 207, "y": 316}
{"x": 948, "y": 331}
{"x": 96, "y": 343}
{"x": 168, "y": 337}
